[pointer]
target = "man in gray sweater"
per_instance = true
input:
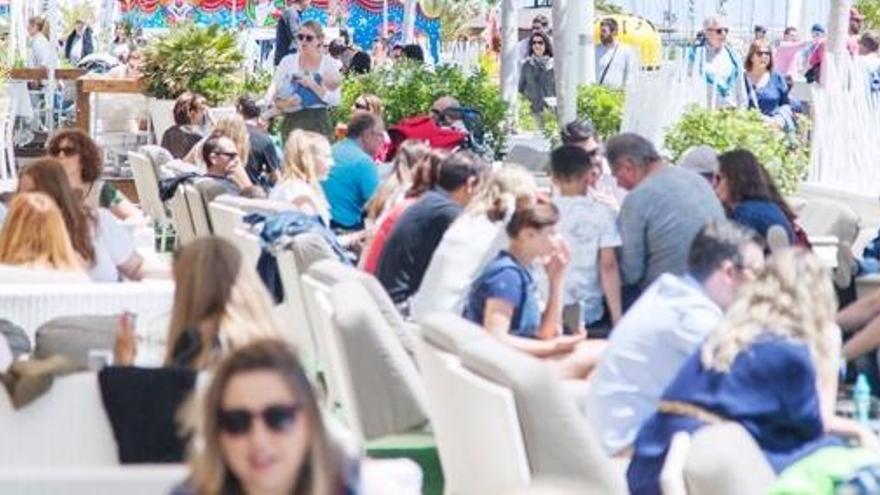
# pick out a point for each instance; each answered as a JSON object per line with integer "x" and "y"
{"x": 665, "y": 208}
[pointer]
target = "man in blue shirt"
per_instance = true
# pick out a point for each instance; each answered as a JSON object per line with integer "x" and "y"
{"x": 354, "y": 177}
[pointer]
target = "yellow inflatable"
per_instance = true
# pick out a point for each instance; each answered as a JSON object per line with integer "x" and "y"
{"x": 639, "y": 33}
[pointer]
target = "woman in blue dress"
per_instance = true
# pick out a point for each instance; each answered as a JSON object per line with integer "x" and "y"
{"x": 767, "y": 90}
{"x": 770, "y": 366}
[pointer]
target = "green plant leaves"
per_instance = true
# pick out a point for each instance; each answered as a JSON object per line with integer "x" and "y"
{"x": 785, "y": 157}
{"x": 202, "y": 59}
{"x": 409, "y": 89}
{"x": 602, "y": 105}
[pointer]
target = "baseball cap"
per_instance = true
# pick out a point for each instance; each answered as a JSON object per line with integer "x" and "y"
{"x": 701, "y": 159}
{"x": 817, "y": 28}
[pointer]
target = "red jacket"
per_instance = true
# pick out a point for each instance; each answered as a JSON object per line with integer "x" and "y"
{"x": 424, "y": 128}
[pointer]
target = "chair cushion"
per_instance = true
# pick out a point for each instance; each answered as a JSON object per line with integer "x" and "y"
{"x": 74, "y": 336}
{"x": 825, "y": 217}
{"x": 310, "y": 248}
{"x": 387, "y": 388}
{"x": 737, "y": 469}
{"x": 450, "y": 332}
{"x": 558, "y": 440}
{"x": 15, "y": 337}
{"x": 331, "y": 272}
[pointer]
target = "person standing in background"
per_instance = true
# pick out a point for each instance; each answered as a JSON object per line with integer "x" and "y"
{"x": 79, "y": 43}
{"x": 42, "y": 54}
{"x": 615, "y": 62}
{"x": 287, "y": 29}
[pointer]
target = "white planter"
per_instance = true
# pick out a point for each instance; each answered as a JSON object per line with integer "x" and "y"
{"x": 161, "y": 115}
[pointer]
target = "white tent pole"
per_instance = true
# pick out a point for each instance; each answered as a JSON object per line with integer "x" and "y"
{"x": 509, "y": 55}
{"x": 409, "y": 21}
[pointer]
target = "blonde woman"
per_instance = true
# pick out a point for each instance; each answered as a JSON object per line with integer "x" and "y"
{"x": 35, "y": 245}
{"x": 771, "y": 366}
{"x": 220, "y": 304}
{"x": 231, "y": 126}
{"x": 261, "y": 431}
{"x": 472, "y": 241}
{"x": 305, "y": 164}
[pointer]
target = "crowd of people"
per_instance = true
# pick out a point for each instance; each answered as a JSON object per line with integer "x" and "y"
{"x": 686, "y": 295}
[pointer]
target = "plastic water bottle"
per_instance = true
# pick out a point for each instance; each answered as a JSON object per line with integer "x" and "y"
{"x": 862, "y": 398}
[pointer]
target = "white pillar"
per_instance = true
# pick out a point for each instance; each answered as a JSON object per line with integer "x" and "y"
{"x": 384, "y": 18}
{"x": 409, "y": 21}
{"x": 586, "y": 47}
{"x": 794, "y": 15}
{"x": 509, "y": 56}
{"x": 838, "y": 35}
{"x": 565, "y": 58}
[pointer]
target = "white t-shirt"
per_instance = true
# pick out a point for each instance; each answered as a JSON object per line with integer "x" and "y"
{"x": 289, "y": 67}
{"x": 587, "y": 227}
{"x": 113, "y": 247}
{"x": 645, "y": 351}
{"x": 296, "y": 191}
{"x": 42, "y": 54}
{"x": 468, "y": 245}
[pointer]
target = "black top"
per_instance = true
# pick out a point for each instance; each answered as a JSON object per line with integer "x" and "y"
{"x": 412, "y": 243}
{"x": 263, "y": 158}
{"x": 179, "y": 140}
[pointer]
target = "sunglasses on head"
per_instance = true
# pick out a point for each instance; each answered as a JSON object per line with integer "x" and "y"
{"x": 277, "y": 418}
{"x": 308, "y": 38}
{"x": 361, "y": 105}
{"x": 66, "y": 151}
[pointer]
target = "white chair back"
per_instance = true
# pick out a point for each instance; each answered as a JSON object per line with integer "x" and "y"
{"x": 294, "y": 309}
{"x": 225, "y": 219}
{"x": 329, "y": 351}
{"x": 147, "y": 184}
{"x": 472, "y": 418}
{"x": 181, "y": 217}
{"x": 7, "y": 146}
{"x": 198, "y": 211}
{"x": 249, "y": 245}
{"x": 65, "y": 427}
{"x": 130, "y": 480}
{"x": 31, "y": 305}
{"x": 672, "y": 480}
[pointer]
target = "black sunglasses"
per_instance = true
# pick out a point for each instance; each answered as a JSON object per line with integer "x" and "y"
{"x": 228, "y": 154}
{"x": 537, "y": 42}
{"x": 277, "y": 418}
{"x": 720, "y": 30}
{"x": 65, "y": 150}
{"x": 765, "y": 52}
{"x": 305, "y": 37}
{"x": 361, "y": 106}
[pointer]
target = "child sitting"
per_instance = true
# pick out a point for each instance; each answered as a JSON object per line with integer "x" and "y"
{"x": 590, "y": 228}
{"x": 504, "y": 298}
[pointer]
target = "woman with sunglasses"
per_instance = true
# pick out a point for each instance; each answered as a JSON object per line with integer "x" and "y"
{"x": 766, "y": 89}
{"x": 536, "y": 79}
{"x": 306, "y": 84}
{"x": 83, "y": 162}
{"x": 261, "y": 430}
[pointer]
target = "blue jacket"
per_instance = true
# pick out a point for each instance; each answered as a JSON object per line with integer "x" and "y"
{"x": 290, "y": 224}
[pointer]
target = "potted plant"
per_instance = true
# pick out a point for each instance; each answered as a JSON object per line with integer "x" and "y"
{"x": 201, "y": 59}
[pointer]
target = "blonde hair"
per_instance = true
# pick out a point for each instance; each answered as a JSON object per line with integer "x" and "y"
{"x": 220, "y": 298}
{"x": 301, "y": 154}
{"x": 35, "y": 234}
{"x": 792, "y": 297}
{"x": 40, "y": 23}
{"x": 372, "y": 104}
{"x": 233, "y": 127}
{"x": 509, "y": 188}
{"x": 320, "y": 473}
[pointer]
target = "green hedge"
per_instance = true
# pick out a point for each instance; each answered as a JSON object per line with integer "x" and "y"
{"x": 408, "y": 90}
{"x": 786, "y": 157}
